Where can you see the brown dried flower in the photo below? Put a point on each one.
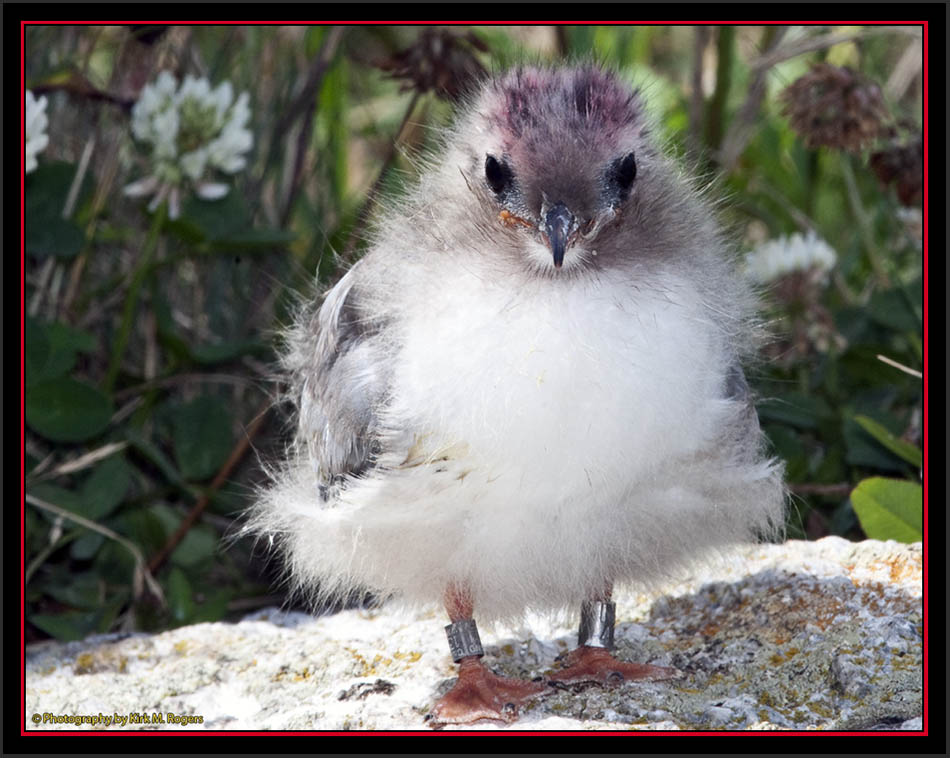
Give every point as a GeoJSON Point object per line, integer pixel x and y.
{"type": "Point", "coordinates": [439, 60]}
{"type": "Point", "coordinates": [902, 166]}
{"type": "Point", "coordinates": [835, 107]}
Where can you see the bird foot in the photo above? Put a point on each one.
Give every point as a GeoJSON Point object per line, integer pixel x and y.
{"type": "Point", "coordinates": [480, 694]}
{"type": "Point", "coordinates": [595, 664]}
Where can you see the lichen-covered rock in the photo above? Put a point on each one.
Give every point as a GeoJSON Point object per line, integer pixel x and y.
{"type": "Point", "coordinates": [806, 635]}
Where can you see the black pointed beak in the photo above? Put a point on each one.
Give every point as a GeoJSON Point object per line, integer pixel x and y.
{"type": "Point", "coordinates": [558, 225]}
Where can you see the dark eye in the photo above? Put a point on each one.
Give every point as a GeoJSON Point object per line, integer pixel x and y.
{"type": "Point", "coordinates": [497, 174]}
{"type": "Point", "coordinates": [622, 173]}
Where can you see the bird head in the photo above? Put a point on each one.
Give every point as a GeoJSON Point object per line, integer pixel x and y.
{"type": "Point", "coordinates": [562, 168]}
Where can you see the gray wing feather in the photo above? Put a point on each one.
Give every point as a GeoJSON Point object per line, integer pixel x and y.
{"type": "Point", "coordinates": [737, 388]}
{"type": "Point", "coordinates": [747, 431]}
{"type": "Point", "coordinates": [338, 375]}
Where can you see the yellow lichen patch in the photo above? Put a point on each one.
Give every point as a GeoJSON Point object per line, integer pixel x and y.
{"type": "Point", "coordinates": [781, 657]}
{"type": "Point", "coordinates": [898, 568]}
{"type": "Point", "coordinates": [181, 647]}
{"type": "Point", "coordinates": [368, 668]}
{"type": "Point", "coordinates": [412, 657]}
{"type": "Point", "coordinates": [104, 660]}
{"type": "Point", "coordinates": [815, 607]}
{"type": "Point", "coordinates": [821, 709]}
{"type": "Point", "coordinates": [85, 664]}
{"type": "Point", "coordinates": [508, 649]}
{"type": "Point", "coordinates": [904, 568]}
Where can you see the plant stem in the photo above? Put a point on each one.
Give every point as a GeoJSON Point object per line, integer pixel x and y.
{"type": "Point", "coordinates": [863, 222]}
{"type": "Point", "coordinates": [356, 233]}
{"type": "Point", "coordinates": [716, 115]}
{"type": "Point", "coordinates": [132, 298]}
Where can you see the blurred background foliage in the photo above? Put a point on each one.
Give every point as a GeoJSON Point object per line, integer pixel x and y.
{"type": "Point", "coordinates": [150, 341]}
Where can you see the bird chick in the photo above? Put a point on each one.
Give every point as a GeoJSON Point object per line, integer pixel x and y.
{"type": "Point", "coordinates": [529, 389]}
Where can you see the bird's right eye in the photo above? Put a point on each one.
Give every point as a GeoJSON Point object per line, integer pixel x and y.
{"type": "Point", "coordinates": [498, 175]}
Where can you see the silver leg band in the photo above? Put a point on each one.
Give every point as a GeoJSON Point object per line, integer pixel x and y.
{"type": "Point", "coordinates": [597, 624]}
{"type": "Point", "coordinates": [464, 640]}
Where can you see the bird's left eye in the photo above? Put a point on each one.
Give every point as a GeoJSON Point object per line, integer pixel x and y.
{"type": "Point", "coordinates": [621, 174]}
{"type": "Point", "coordinates": [497, 174]}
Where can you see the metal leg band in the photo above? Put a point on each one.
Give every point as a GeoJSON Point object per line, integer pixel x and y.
{"type": "Point", "coordinates": [597, 624]}
{"type": "Point", "coordinates": [464, 640]}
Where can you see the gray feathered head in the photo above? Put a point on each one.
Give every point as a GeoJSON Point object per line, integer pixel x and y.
{"type": "Point", "coordinates": [567, 176]}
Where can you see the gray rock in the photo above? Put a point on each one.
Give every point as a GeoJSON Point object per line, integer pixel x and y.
{"type": "Point", "coordinates": [821, 635]}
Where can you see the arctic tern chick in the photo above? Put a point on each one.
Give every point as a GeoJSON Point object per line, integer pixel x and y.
{"type": "Point", "coordinates": [529, 389]}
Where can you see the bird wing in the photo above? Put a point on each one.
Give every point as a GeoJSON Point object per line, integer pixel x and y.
{"type": "Point", "coordinates": [339, 365]}
{"type": "Point", "coordinates": [737, 388]}
{"type": "Point", "coordinates": [747, 432]}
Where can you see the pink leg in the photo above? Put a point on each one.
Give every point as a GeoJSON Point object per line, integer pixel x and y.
{"type": "Point", "coordinates": [478, 693]}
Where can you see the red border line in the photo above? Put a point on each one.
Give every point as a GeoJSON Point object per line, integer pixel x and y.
{"type": "Point", "coordinates": [210, 733]}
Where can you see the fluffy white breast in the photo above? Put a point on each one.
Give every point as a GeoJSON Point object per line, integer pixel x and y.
{"type": "Point", "coordinates": [567, 384]}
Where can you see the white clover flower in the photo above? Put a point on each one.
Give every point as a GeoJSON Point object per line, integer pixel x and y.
{"type": "Point", "coordinates": [785, 255]}
{"type": "Point", "coordinates": [191, 130]}
{"type": "Point", "coordinates": [36, 122]}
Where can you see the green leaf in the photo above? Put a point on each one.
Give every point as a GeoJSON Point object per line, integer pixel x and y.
{"type": "Point", "coordinates": [204, 220]}
{"type": "Point", "coordinates": [105, 488]}
{"type": "Point", "coordinates": [36, 351]}
{"type": "Point", "coordinates": [794, 408]}
{"type": "Point", "coordinates": [201, 436]}
{"type": "Point", "coordinates": [168, 516]}
{"type": "Point", "coordinates": [167, 333]}
{"type": "Point", "coordinates": [890, 509]}
{"type": "Point", "coordinates": [224, 225]}
{"type": "Point", "coordinates": [46, 232]}
{"type": "Point", "coordinates": [68, 338]}
{"type": "Point", "coordinates": [895, 309]}
{"type": "Point", "coordinates": [83, 591]}
{"type": "Point", "coordinates": [226, 351]}
{"type": "Point", "coordinates": [113, 562]}
{"type": "Point", "coordinates": [67, 627]}
{"type": "Point", "coordinates": [51, 350]}
{"type": "Point", "coordinates": [143, 527]}
{"type": "Point", "coordinates": [213, 607]}
{"type": "Point", "coordinates": [179, 596]}
{"type": "Point", "coordinates": [65, 410]}
{"type": "Point", "coordinates": [50, 493]}
{"type": "Point", "coordinates": [157, 458]}
{"type": "Point", "coordinates": [86, 546]}
{"type": "Point", "coordinates": [199, 544]}
{"type": "Point", "coordinates": [788, 446]}
{"type": "Point", "coordinates": [862, 450]}
{"type": "Point", "coordinates": [910, 453]}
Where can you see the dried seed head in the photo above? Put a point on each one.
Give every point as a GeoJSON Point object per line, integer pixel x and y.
{"type": "Point", "coordinates": [835, 107]}
{"type": "Point", "coordinates": [439, 60]}
{"type": "Point", "coordinates": [903, 166]}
